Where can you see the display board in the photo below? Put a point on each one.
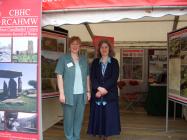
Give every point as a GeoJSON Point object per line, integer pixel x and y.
{"type": "Point", "coordinates": [20, 98]}
{"type": "Point", "coordinates": [54, 44]}
{"type": "Point", "coordinates": [132, 63]}
{"type": "Point", "coordinates": [177, 52]}
{"type": "Point", "coordinates": [157, 66]}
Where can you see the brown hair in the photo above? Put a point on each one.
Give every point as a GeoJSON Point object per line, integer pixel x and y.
{"type": "Point", "coordinates": [111, 51]}
{"type": "Point", "coordinates": [74, 38]}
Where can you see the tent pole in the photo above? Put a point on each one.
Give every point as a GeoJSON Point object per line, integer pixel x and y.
{"type": "Point", "coordinates": [175, 23]}
{"type": "Point", "coordinates": [89, 30]}
{"type": "Point", "coordinates": [174, 112]}
{"type": "Point", "coordinates": [167, 90]}
{"type": "Point", "coordinates": [167, 110]}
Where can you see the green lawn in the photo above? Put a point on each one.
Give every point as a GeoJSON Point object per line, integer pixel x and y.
{"type": "Point", "coordinates": [28, 106]}
{"type": "Point", "coordinates": [25, 58]}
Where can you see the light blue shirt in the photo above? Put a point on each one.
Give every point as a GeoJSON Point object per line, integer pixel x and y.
{"type": "Point", "coordinates": [104, 66]}
{"type": "Point", "coordinates": [103, 69]}
{"type": "Point", "coordinates": [78, 88]}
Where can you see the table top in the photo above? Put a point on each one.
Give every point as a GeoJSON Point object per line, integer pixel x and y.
{"type": "Point", "coordinates": [158, 85]}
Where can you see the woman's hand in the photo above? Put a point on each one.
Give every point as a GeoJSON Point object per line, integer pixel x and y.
{"type": "Point", "coordinates": [62, 98]}
{"type": "Point", "coordinates": [98, 94]}
{"type": "Point", "coordinates": [88, 95]}
{"type": "Point", "coordinates": [61, 88]}
{"type": "Point", "coordinates": [102, 90]}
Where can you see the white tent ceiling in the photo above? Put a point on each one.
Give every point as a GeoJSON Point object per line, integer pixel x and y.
{"type": "Point", "coordinates": [139, 31]}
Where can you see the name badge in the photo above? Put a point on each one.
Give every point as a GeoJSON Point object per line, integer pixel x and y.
{"type": "Point", "coordinates": [69, 64]}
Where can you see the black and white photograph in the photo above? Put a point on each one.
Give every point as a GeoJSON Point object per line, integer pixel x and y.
{"type": "Point", "coordinates": [5, 49]}
{"type": "Point", "coordinates": [2, 120]}
{"type": "Point", "coordinates": [21, 122]}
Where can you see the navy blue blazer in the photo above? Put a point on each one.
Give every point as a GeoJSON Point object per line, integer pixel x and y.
{"type": "Point", "coordinates": [108, 81]}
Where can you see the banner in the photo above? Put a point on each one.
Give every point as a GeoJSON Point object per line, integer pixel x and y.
{"type": "Point", "coordinates": [177, 47]}
{"type": "Point", "coordinates": [79, 4]}
{"type": "Point", "coordinates": [20, 98]}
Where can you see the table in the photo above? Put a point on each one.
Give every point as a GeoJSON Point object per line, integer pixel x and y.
{"type": "Point", "coordinates": [156, 101]}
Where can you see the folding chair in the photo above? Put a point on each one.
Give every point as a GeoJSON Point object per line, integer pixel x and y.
{"type": "Point", "coordinates": [131, 100]}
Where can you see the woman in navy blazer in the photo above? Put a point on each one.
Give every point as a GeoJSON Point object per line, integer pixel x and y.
{"type": "Point", "coordinates": [104, 117]}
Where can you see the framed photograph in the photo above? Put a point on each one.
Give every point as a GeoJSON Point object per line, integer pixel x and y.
{"type": "Point", "coordinates": [53, 41]}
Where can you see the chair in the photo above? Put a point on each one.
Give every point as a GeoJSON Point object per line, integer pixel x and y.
{"type": "Point", "coordinates": [130, 98]}
{"type": "Point", "coordinates": [121, 84]}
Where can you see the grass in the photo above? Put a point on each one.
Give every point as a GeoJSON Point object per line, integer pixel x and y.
{"type": "Point", "coordinates": [29, 105]}
{"type": "Point", "coordinates": [25, 58]}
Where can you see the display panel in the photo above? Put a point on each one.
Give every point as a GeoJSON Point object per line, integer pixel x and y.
{"type": "Point", "coordinates": [132, 63]}
{"type": "Point", "coordinates": [177, 44]}
{"type": "Point", "coordinates": [157, 66]}
{"type": "Point", "coordinates": [53, 46]}
{"type": "Point", "coordinates": [20, 96]}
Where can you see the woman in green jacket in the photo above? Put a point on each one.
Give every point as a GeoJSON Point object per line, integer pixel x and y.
{"type": "Point", "coordinates": [74, 87]}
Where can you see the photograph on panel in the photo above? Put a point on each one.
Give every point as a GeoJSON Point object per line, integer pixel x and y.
{"type": "Point", "coordinates": [53, 46]}
{"type": "Point", "coordinates": [184, 57]}
{"type": "Point", "coordinates": [184, 43]}
{"type": "Point", "coordinates": [48, 63]}
{"type": "Point", "coordinates": [2, 120]}
{"type": "Point", "coordinates": [25, 49]}
{"type": "Point", "coordinates": [21, 122]}
{"type": "Point", "coordinates": [18, 87]}
{"type": "Point", "coordinates": [184, 80]}
{"type": "Point", "coordinates": [5, 49]}
{"type": "Point", "coordinates": [174, 48]}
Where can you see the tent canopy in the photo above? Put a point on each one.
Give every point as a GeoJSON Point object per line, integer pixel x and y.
{"type": "Point", "coordinates": [82, 4]}
{"type": "Point", "coordinates": [135, 27]}
{"type": "Point", "coordinates": [150, 21]}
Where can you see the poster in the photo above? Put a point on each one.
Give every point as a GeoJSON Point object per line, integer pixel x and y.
{"type": "Point", "coordinates": [132, 63]}
{"type": "Point", "coordinates": [157, 66]}
{"type": "Point", "coordinates": [177, 52]}
{"type": "Point", "coordinates": [20, 96]}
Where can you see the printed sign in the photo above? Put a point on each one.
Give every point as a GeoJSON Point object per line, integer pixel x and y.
{"type": "Point", "coordinates": [20, 96]}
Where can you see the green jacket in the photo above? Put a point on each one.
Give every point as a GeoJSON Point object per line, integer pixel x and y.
{"type": "Point", "coordinates": [66, 68]}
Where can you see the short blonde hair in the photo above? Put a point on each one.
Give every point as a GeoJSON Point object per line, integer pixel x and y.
{"type": "Point", "coordinates": [74, 38]}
